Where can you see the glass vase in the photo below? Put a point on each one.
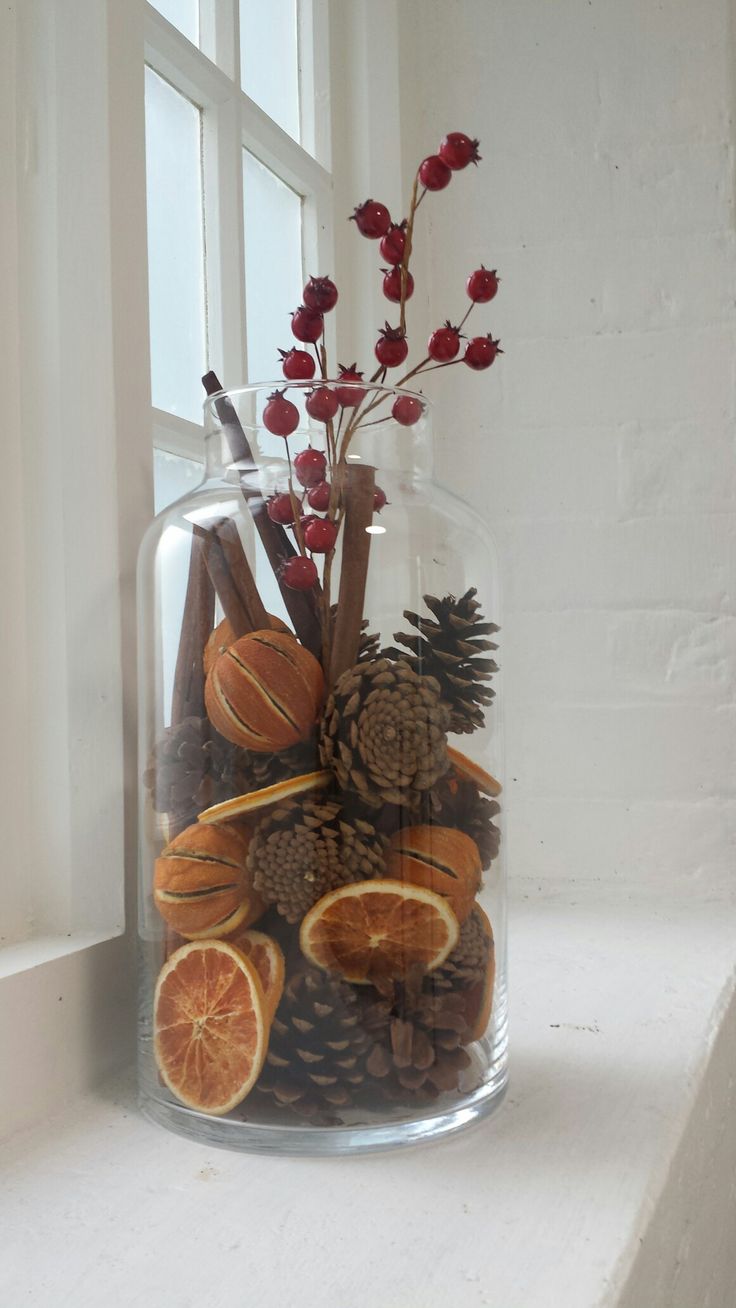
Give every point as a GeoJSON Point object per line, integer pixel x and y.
{"type": "Point", "coordinates": [322, 894]}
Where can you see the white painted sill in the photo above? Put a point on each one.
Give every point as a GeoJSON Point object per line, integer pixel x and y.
{"type": "Point", "coordinates": [606, 1178]}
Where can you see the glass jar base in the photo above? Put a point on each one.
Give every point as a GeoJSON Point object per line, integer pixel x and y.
{"type": "Point", "coordinates": [446, 1115]}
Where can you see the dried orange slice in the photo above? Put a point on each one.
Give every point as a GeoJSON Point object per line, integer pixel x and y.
{"type": "Point", "coordinates": [268, 960]}
{"type": "Point", "coordinates": [241, 805]}
{"type": "Point", "coordinates": [378, 929]}
{"type": "Point", "coordinates": [471, 771]}
{"type": "Point", "coordinates": [210, 1026]}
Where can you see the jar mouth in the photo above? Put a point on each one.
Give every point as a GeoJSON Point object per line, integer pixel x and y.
{"type": "Point", "coordinates": [293, 389]}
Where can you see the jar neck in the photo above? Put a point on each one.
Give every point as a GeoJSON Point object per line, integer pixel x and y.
{"type": "Point", "coordinates": [238, 441]}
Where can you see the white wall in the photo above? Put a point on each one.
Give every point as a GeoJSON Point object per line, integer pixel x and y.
{"type": "Point", "coordinates": [601, 445]}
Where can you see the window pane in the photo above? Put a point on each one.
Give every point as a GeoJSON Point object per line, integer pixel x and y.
{"type": "Point", "coordinates": [173, 476]}
{"type": "Point", "coordinates": [175, 250]}
{"type": "Point", "coordinates": [184, 14]}
{"type": "Point", "coordinates": [273, 266]}
{"type": "Point", "coordinates": [269, 61]}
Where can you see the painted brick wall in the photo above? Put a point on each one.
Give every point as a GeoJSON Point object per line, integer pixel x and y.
{"type": "Point", "coordinates": [601, 446]}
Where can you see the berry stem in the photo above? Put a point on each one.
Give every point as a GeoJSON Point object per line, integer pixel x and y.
{"type": "Point", "coordinates": [404, 266]}
{"type": "Point", "coordinates": [295, 507]}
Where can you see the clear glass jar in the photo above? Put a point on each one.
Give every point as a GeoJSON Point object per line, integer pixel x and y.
{"type": "Point", "coordinates": [322, 891]}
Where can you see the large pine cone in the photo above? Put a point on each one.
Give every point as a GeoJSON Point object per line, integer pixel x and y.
{"type": "Point", "coordinates": [299, 851]}
{"type": "Point", "coordinates": [315, 1063]}
{"type": "Point", "coordinates": [448, 649]}
{"type": "Point", "coordinates": [417, 1052]}
{"type": "Point", "coordinates": [383, 732]}
{"type": "Point", "coordinates": [237, 771]}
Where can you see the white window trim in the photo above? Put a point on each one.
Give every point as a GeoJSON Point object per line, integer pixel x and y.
{"type": "Point", "coordinates": [231, 122]}
{"type": "Point", "coordinates": [67, 1004]}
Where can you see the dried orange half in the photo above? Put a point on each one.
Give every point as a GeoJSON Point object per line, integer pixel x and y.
{"type": "Point", "coordinates": [241, 805]}
{"type": "Point", "coordinates": [268, 960]}
{"type": "Point", "coordinates": [378, 929]}
{"type": "Point", "coordinates": [471, 771]}
{"type": "Point", "coordinates": [210, 1025]}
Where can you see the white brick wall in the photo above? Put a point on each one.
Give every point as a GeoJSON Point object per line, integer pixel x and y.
{"type": "Point", "coordinates": [601, 446]}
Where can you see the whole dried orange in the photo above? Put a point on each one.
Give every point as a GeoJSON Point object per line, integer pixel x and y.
{"type": "Point", "coordinates": [378, 929]}
{"type": "Point", "coordinates": [210, 1025]}
{"type": "Point", "coordinates": [268, 960]}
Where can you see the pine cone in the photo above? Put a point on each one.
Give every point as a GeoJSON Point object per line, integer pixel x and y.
{"type": "Point", "coordinates": [317, 1048]}
{"type": "Point", "coordinates": [466, 965]}
{"type": "Point", "coordinates": [301, 850]}
{"type": "Point", "coordinates": [179, 772]}
{"type": "Point", "coordinates": [455, 802]}
{"type": "Point", "coordinates": [383, 732]}
{"type": "Point", "coordinates": [237, 771]}
{"type": "Point", "coordinates": [417, 1052]}
{"type": "Point", "coordinates": [448, 649]}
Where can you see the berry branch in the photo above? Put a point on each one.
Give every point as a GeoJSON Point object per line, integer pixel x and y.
{"type": "Point", "coordinates": [344, 404]}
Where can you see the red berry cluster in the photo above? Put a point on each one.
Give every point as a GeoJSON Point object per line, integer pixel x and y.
{"type": "Point", "coordinates": [312, 510]}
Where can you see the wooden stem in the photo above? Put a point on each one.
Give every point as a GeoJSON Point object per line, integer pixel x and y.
{"type": "Point", "coordinates": [356, 543]}
{"type": "Point", "coordinates": [302, 606]}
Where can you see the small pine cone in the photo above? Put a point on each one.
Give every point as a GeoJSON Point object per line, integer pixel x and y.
{"type": "Point", "coordinates": [315, 1063]}
{"type": "Point", "coordinates": [179, 772]}
{"type": "Point", "coordinates": [455, 802]}
{"type": "Point", "coordinates": [448, 649]}
{"type": "Point", "coordinates": [383, 732]}
{"type": "Point", "coordinates": [237, 771]}
{"type": "Point", "coordinates": [466, 965]}
{"type": "Point", "coordinates": [417, 1052]}
{"type": "Point", "coordinates": [299, 851]}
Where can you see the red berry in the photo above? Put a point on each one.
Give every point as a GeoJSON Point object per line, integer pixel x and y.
{"type": "Point", "coordinates": [280, 509]}
{"type": "Point", "coordinates": [392, 284]}
{"type": "Point", "coordinates": [392, 245]}
{"type": "Point", "coordinates": [297, 364]}
{"type": "Point", "coordinates": [482, 285]}
{"type": "Point", "coordinates": [458, 150]}
{"type": "Point", "coordinates": [434, 173]}
{"type": "Point", "coordinates": [350, 396]}
{"type": "Point", "coordinates": [280, 416]}
{"type": "Point", "coordinates": [319, 497]}
{"type": "Point", "coordinates": [307, 324]}
{"type": "Point", "coordinates": [320, 294]}
{"type": "Point", "coordinates": [310, 467]}
{"type": "Point", "coordinates": [372, 219]}
{"type": "Point", "coordinates": [481, 351]}
{"type": "Point", "coordinates": [322, 404]}
{"type": "Point", "coordinates": [391, 347]}
{"type": "Point", "coordinates": [444, 343]}
{"type": "Point", "coordinates": [320, 535]}
{"type": "Point", "coordinates": [407, 410]}
{"type": "Point", "coordinates": [379, 499]}
{"type": "Point", "coordinates": [299, 573]}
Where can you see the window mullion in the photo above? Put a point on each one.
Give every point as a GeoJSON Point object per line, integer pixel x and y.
{"type": "Point", "coordinates": [223, 191]}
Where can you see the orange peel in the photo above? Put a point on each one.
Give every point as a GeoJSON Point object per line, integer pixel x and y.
{"type": "Point", "coordinates": [470, 771]}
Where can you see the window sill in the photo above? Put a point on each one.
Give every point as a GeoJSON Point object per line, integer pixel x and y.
{"type": "Point", "coordinates": [34, 952]}
{"type": "Point", "coordinates": [600, 1182]}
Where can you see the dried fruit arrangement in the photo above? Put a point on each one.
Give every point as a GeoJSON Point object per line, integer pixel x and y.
{"type": "Point", "coordinates": [306, 782]}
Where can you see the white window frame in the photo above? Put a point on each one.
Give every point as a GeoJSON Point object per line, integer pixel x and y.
{"type": "Point", "coordinates": [231, 122]}
{"type": "Point", "coordinates": [78, 483]}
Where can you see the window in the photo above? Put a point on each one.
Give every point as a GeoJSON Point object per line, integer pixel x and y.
{"type": "Point", "coordinates": [238, 200]}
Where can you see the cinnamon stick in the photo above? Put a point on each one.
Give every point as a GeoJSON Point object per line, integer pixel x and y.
{"type": "Point", "coordinates": [198, 618]}
{"type": "Point", "coordinates": [359, 488]}
{"type": "Point", "coordinates": [302, 606]}
{"type": "Point", "coordinates": [240, 570]}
